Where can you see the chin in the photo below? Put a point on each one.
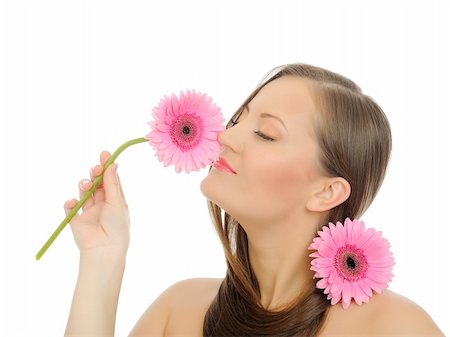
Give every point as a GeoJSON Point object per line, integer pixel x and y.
{"type": "Point", "coordinates": [222, 194]}
{"type": "Point", "coordinates": [209, 189]}
{"type": "Point", "coordinates": [212, 192]}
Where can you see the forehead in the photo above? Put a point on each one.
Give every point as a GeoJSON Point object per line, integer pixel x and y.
{"type": "Point", "coordinates": [288, 91]}
{"type": "Point", "coordinates": [291, 98]}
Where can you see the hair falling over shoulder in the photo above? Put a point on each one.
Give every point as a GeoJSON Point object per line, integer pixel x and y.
{"type": "Point", "coordinates": [354, 137]}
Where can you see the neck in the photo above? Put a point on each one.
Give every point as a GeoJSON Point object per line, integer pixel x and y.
{"type": "Point", "coordinates": [279, 257]}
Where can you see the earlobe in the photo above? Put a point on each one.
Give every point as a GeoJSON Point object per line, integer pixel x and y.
{"type": "Point", "coordinates": [334, 192]}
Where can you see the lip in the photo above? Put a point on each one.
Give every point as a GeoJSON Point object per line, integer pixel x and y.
{"type": "Point", "coordinates": [221, 164]}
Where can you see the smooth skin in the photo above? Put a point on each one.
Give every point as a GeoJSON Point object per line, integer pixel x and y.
{"type": "Point", "coordinates": [277, 239]}
{"type": "Point", "coordinates": [101, 233]}
{"type": "Point", "coordinates": [180, 310]}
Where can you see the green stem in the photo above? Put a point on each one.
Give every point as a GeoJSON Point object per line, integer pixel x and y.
{"type": "Point", "coordinates": [86, 196]}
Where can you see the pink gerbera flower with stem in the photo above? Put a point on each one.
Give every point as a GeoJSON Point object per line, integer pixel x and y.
{"type": "Point", "coordinates": [351, 262]}
{"type": "Point", "coordinates": [184, 133]}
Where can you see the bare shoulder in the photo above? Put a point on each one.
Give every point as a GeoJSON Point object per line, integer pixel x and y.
{"type": "Point", "coordinates": [400, 315]}
{"type": "Point", "coordinates": [179, 309]}
{"type": "Point", "coordinates": [193, 285]}
{"type": "Point", "coordinates": [386, 314]}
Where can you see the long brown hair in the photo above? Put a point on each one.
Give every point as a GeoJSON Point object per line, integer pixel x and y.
{"type": "Point", "coordinates": [354, 137]}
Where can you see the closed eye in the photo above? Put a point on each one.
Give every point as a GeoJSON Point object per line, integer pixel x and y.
{"type": "Point", "coordinates": [235, 121]}
{"type": "Point", "coordinates": [263, 136]}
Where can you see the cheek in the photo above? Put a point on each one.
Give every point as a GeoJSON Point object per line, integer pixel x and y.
{"type": "Point", "coordinates": [284, 178]}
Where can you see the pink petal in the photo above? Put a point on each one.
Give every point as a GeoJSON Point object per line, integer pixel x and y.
{"type": "Point", "coordinates": [334, 277]}
{"type": "Point", "coordinates": [326, 249]}
{"type": "Point", "coordinates": [322, 284]}
{"type": "Point", "coordinates": [358, 230]}
{"type": "Point", "coordinates": [323, 272]}
{"type": "Point", "coordinates": [337, 286]}
{"type": "Point", "coordinates": [345, 304]}
{"type": "Point", "coordinates": [325, 234]}
{"type": "Point", "coordinates": [315, 254]}
{"type": "Point", "coordinates": [325, 261]}
{"type": "Point", "coordinates": [365, 287]}
{"type": "Point", "coordinates": [377, 277]}
{"type": "Point", "coordinates": [357, 293]}
{"type": "Point", "coordinates": [374, 285]}
{"type": "Point", "coordinates": [348, 230]}
{"type": "Point", "coordinates": [346, 292]}
{"type": "Point", "coordinates": [336, 298]}
{"type": "Point", "coordinates": [336, 235]}
{"type": "Point", "coordinates": [342, 234]}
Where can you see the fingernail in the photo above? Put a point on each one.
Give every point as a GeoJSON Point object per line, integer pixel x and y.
{"type": "Point", "coordinates": [84, 182]}
{"type": "Point", "coordinates": [114, 168]}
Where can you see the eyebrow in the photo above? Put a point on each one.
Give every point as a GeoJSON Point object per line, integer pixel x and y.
{"type": "Point", "coordinates": [265, 114]}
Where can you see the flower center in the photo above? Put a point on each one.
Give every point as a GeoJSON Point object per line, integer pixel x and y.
{"type": "Point", "coordinates": [186, 131]}
{"type": "Point", "coordinates": [350, 263]}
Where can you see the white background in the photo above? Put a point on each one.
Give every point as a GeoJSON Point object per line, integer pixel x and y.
{"type": "Point", "coordinates": [79, 77]}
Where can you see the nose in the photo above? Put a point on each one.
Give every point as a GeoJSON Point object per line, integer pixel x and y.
{"type": "Point", "coordinates": [228, 140]}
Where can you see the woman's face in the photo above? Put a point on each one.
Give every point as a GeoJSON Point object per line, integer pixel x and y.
{"type": "Point", "coordinates": [274, 153]}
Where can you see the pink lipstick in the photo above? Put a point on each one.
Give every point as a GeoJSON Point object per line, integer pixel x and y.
{"type": "Point", "coordinates": [221, 164]}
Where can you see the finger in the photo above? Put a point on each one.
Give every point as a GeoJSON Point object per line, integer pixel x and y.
{"type": "Point", "coordinates": [113, 190]}
{"type": "Point", "coordinates": [99, 193]}
{"type": "Point", "coordinates": [69, 205]}
{"type": "Point", "coordinates": [96, 171]}
{"type": "Point", "coordinates": [121, 190]}
{"type": "Point", "coordinates": [104, 156]}
{"type": "Point", "coordinates": [83, 186]}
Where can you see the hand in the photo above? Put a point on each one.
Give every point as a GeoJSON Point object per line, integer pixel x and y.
{"type": "Point", "coordinates": [103, 225]}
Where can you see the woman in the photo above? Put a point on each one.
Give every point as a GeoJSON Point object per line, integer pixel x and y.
{"type": "Point", "coordinates": [306, 148]}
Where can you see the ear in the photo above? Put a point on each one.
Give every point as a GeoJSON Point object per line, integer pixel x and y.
{"type": "Point", "coordinates": [333, 192]}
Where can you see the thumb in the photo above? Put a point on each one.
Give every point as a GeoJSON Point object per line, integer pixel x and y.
{"type": "Point", "coordinates": [112, 187]}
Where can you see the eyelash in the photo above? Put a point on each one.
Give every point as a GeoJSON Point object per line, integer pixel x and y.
{"type": "Point", "coordinates": [257, 132]}
{"type": "Point", "coordinates": [263, 136]}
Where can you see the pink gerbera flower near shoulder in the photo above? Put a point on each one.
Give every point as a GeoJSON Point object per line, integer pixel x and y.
{"type": "Point", "coordinates": [185, 129]}
{"type": "Point", "coordinates": [351, 262]}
